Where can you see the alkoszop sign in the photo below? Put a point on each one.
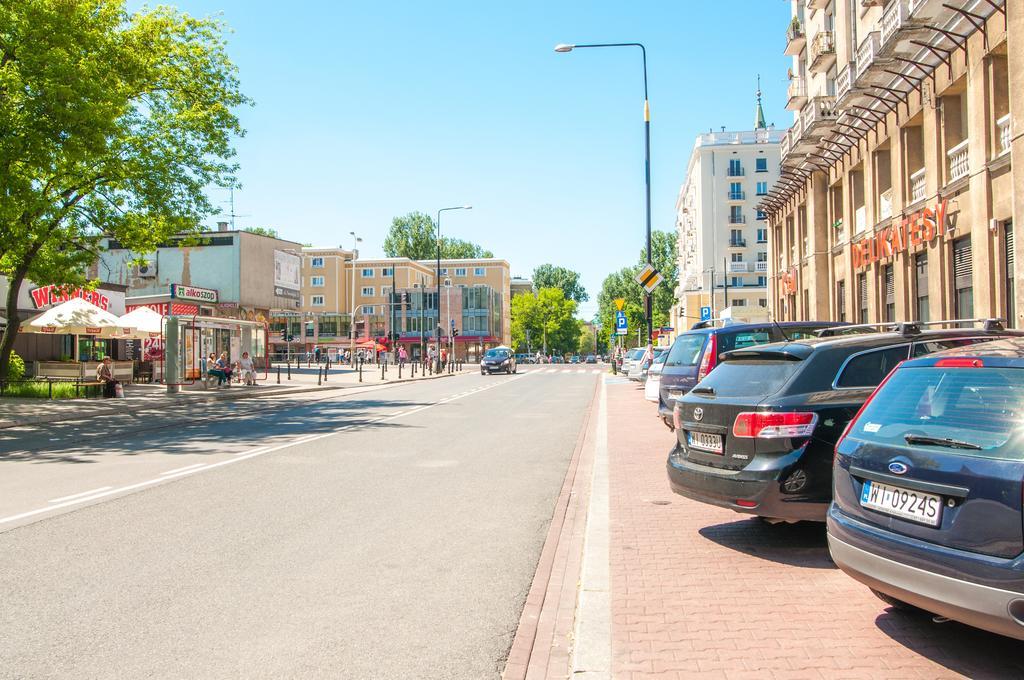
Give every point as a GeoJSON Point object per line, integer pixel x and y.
{"type": "Point", "coordinates": [182, 292]}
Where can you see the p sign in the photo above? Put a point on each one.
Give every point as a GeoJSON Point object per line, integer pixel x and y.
{"type": "Point", "coordinates": [705, 313]}
{"type": "Point", "coordinates": [621, 325]}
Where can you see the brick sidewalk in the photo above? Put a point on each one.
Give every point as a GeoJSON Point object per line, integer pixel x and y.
{"type": "Point", "coordinates": [700, 591]}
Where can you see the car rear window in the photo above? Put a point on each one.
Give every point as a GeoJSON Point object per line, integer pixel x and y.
{"type": "Point", "coordinates": [748, 378]}
{"type": "Point", "coordinates": [686, 350]}
{"type": "Point", "coordinates": [867, 369]}
{"type": "Point", "coordinates": [731, 341]}
{"type": "Point", "coordinates": [981, 406]}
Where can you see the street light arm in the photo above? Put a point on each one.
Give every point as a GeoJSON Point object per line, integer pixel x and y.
{"type": "Point", "coordinates": [643, 52]}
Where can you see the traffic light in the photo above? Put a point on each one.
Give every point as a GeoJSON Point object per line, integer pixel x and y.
{"type": "Point", "coordinates": [284, 335]}
{"type": "Point", "coordinates": [455, 332]}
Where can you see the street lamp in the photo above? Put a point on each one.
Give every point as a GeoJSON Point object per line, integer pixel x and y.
{"type": "Point", "coordinates": [438, 277]}
{"type": "Point", "coordinates": [352, 294]}
{"type": "Point", "coordinates": [563, 47]}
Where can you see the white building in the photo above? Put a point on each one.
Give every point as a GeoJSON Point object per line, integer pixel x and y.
{"type": "Point", "coordinates": [723, 238]}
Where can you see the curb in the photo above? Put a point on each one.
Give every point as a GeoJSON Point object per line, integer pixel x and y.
{"type": "Point", "coordinates": [541, 646]}
{"type": "Point", "coordinates": [268, 391]}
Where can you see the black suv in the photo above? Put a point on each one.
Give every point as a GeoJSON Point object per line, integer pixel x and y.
{"type": "Point", "coordinates": [757, 435]}
{"type": "Point", "coordinates": [695, 353]}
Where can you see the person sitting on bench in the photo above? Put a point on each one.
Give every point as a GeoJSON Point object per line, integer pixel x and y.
{"type": "Point", "coordinates": [213, 370]}
{"type": "Point", "coordinates": [246, 369]}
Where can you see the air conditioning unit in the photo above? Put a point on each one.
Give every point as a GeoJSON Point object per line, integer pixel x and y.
{"type": "Point", "coordinates": [146, 270]}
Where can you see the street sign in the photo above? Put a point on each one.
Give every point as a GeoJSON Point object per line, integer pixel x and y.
{"type": "Point", "coordinates": [649, 278]}
{"type": "Point", "coordinates": [453, 324]}
{"type": "Point", "coordinates": [620, 303]}
{"type": "Point", "coordinates": [621, 325]}
{"type": "Point", "coordinates": [705, 313]}
{"type": "Point", "coordinates": [667, 329]}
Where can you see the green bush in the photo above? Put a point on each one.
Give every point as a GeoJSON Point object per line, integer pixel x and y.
{"type": "Point", "coordinates": [17, 367]}
{"type": "Point", "coordinates": [40, 389]}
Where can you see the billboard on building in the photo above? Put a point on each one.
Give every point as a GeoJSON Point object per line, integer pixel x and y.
{"type": "Point", "coordinates": [287, 271]}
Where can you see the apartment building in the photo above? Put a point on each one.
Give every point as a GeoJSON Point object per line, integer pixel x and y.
{"type": "Point", "coordinates": [492, 272]}
{"type": "Point", "coordinates": [723, 236]}
{"type": "Point", "coordinates": [896, 198]}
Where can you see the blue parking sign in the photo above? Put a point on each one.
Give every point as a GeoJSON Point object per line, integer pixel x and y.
{"type": "Point", "coordinates": [621, 325]}
{"type": "Point", "coordinates": [705, 313]}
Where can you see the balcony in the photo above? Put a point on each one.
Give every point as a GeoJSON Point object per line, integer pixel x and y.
{"type": "Point", "coordinates": [737, 195]}
{"type": "Point", "coordinates": [735, 171]}
{"type": "Point", "coordinates": [823, 52]}
{"type": "Point", "coordinates": [818, 115]}
{"type": "Point", "coordinates": [868, 52]}
{"type": "Point", "coordinates": [817, 4]}
{"type": "Point", "coordinates": [739, 267]}
{"type": "Point", "coordinates": [737, 219]}
{"type": "Point", "coordinates": [917, 186]}
{"type": "Point", "coordinates": [958, 161]}
{"type": "Point", "coordinates": [860, 219]}
{"type": "Point", "coordinates": [1003, 133]}
{"type": "Point", "coordinates": [795, 39]}
{"type": "Point", "coordinates": [894, 18]}
{"type": "Point", "coordinates": [737, 242]}
{"type": "Point", "coordinates": [885, 204]}
{"type": "Point", "coordinates": [796, 95]}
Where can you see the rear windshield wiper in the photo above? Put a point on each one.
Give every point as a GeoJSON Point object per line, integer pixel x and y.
{"type": "Point", "coordinates": [703, 390]}
{"type": "Point", "coordinates": [940, 441]}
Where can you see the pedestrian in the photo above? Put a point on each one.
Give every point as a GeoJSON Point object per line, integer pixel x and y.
{"type": "Point", "coordinates": [402, 356]}
{"type": "Point", "coordinates": [246, 369]}
{"type": "Point", "coordinates": [444, 358]}
{"type": "Point", "coordinates": [105, 375]}
{"type": "Point", "coordinates": [316, 353]}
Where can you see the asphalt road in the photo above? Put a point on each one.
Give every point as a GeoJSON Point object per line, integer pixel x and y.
{"type": "Point", "coordinates": [385, 534]}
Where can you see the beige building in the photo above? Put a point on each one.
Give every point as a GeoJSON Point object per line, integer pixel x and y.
{"type": "Point", "coordinates": [723, 237]}
{"type": "Point", "coordinates": [898, 194]}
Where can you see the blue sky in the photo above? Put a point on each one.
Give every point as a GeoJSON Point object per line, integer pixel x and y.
{"type": "Point", "coordinates": [364, 111]}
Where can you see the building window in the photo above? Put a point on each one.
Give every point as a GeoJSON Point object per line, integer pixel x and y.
{"type": "Point", "coordinates": [387, 271]}
{"type": "Point", "coordinates": [762, 302]}
{"type": "Point", "coordinates": [762, 236]}
{"type": "Point", "coordinates": [736, 214]}
{"type": "Point", "coordinates": [444, 271]}
{"type": "Point", "coordinates": [762, 281]}
{"type": "Point", "coordinates": [760, 215]}
{"type": "Point", "coordinates": [890, 293]}
{"type": "Point", "coordinates": [963, 279]}
{"type": "Point", "coordinates": [316, 281]}
{"type": "Point", "coordinates": [739, 303]}
{"type": "Point", "coordinates": [761, 165]}
{"type": "Point", "coordinates": [762, 188]}
{"type": "Point", "coordinates": [921, 270]}
{"type": "Point", "coordinates": [1011, 306]}
{"type": "Point", "coordinates": [736, 238]}
{"type": "Point", "coordinates": [479, 271]}
{"type": "Point", "coordinates": [737, 257]}
{"type": "Point", "coordinates": [737, 282]}
{"type": "Point", "coordinates": [460, 271]}
{"type": "Point", "coordinates": [367, 273]}
{"type": "Point", "coordinates": [841, 301]}
{"type": "Point", "coordinates": [317, 262]}
{"type": "Point", "coordinates": [316, 301]}
{"type": "Point", "coordinates": [368, 309]}
{"type": "Point", "coordinates": [735, 168]}
{"type": "Point", "coordinates": [862, 297]}
{"type": "Point", "coordinates": [735, 191]}
{"type": "Point", "coordinates": [367, 291]}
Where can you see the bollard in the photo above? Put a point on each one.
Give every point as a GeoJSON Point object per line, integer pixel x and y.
{"type": "Point", "coordinates": [49, 387]}
{"type": "Point", "coordinates": [360, 371]}
{"type": "Point", "coordinates": [382, 371]}
{"type": "Point", "coordinates": [325, 369]}
{"type": "Point", "coordinates": [289, 370]}
{"type": "Point", "coordinates": [318, 382]}
{"type": "Point", "coordinates": [399, 371]}
{"type": "Point", "coordinates": [278, 375]}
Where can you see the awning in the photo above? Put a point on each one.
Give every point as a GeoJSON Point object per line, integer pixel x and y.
{"type": "Point", "coordinates": [144, 322]}
{"type": "Point", "coordinates": [76, 317]}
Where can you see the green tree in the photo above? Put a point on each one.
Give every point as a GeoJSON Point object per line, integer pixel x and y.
{"type": "Point", "coordinates": [415, 236]}
{"type": "Point", "coordinates": [111, 124]}
{"type": "Point", "coordinates": [552, 276]}
{"type": "Point", "coordinates": [665, 258]}
{"type": "Point", "coordinates": [550, 318]}
{"type": "Point", "coordinates": [263, 231]}
{"type": "Point", "coordinates": [586, 340]}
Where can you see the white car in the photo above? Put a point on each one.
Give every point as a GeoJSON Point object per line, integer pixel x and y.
{"type": "Point", "coordinates": [629, 358]}
{"type": "Point", "coordinates": [653, 385]}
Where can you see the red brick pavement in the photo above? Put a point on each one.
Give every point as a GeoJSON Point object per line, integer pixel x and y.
{"type": "Point", "coordinates": [700, 591]}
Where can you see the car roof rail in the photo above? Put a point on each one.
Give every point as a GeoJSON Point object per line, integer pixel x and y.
{"type": "Point", "coordinates": [833, 331]}
{"type": "Point", "coordinates": [988, 324]}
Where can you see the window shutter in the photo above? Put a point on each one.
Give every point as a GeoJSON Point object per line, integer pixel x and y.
{"type": "Point", "coordinates": [1008, 233]}
{"type": "Point", "coordinates": [862, 291]}
{"type": "Point", "coordinates": [890, 286]}
{"type": "Point", "coordinates": [962, 271]}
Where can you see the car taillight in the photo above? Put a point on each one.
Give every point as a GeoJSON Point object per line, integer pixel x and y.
{"type": "Point", "coordinates": [959, 363]}
{"type": "Point", "coordinates": [677, 416]}
{"type": "Point", "coordinates": [769, 424]}
{"type": "Point", "coordinates": [849, 425]}
{"type": "Point", "coordinates": [710, 358]}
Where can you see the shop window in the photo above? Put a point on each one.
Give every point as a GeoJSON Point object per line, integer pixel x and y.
{"type": "Point", "coordinates": [1011, 306]}
{"type": "Point", "coordinates": [921, 285]}
{"type": "Point", "coordinates": [963, 279]}
{"type": "Point", "coordinates": [841, 301]}
{"type": "Point", "coordinates": [889, 287]}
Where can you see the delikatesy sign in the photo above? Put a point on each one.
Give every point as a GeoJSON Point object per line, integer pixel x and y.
{"type": "Point", "coordinates": [181, 292]}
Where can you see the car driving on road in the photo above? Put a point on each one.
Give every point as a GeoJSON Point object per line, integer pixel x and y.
{"type": "Point", "coordinates": [498, 360]}
{"type": "Point", "coordinates": [757, 434]}
{"type": "Point", "coordinates": [928, 488]}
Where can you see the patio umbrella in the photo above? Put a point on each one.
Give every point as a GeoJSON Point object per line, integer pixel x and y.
{"type": "Point", "coordinates": [144, 323]}
{"type": "Point", "coordinates": [75, 317]}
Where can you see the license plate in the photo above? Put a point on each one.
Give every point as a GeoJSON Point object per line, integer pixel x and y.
{"type": "Point", "coordinates": [705, 441]}
{"type": "Point", "coordinates": [916, 506]}
{"type": "Point", "coordinates": [675, 394]}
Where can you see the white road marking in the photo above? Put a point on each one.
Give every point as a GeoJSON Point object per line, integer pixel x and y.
{"type": "Point", "coordinates": [596, 371]}
{"type": "Point", "coordinates": [79, 495]}
{"type": "Point", "coordinates": [240, 456]}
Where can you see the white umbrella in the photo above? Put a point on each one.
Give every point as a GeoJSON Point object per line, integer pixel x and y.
{"type": "Point", "coordinates": [75, 317]}
{"type": "Point", "coordinates": [144, 322]}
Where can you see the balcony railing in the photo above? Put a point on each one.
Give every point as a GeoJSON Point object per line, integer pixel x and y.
{"type": "Point", "coordinates": [737, 195]}
{"type": "Point", "coordinates": [737, 219]}
{"type": "Point", "coordinates": [817, 111]}
{"type": "Point", "coordinates": [917, 186]}
{"type": "Point", "coordinates": [844, 80]}
{"type": "Point", "coordinates": [867, 51]}
{"type": "Point", "coordinates": [739, 267]}
{"type": "Point", "coordinates": [796, 94]}
{"type": "Point", "coordinates": [860, 219]}
{"type": "Point", "coordinates": [958, 165]}
{"type": "Point", "coordinates": [823, 51]}
{"type": "Point", "coordinates": [761, 266]}
{"type": "Point", "coordinates": [885, 204]}
{"type": "Point", "coordinates": [737, 243]}
{"type": "Point", "coordinates": [1003, 130]}
{"type": "Point", "coordinates": [735, 171]}
{"type": "Point", "coordinates": [795, 39]}
{"type": "Point", "coordinates": [893, 19]}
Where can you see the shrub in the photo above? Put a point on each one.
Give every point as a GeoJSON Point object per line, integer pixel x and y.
{"type": "Point", "coordinates": [16, 371]}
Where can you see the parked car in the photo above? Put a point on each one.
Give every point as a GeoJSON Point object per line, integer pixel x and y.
{"type": "Point", "coordinates": [591, 359]}
{"type": "Point", "coordinates": [653, 384]}
{"type": "Point", "coordinates": [928, 487]}
{"type": "Point", "coordinates": [757, 434]}
{"type": "Point", "coordinates": [695, 353]}
{"type": "Point", "coordinates": [629, 357]}
{"type": "Point", "coordinates": [498, 360]}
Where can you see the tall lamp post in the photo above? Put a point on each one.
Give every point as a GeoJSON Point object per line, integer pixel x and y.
{"type": "Point", "coordinates": [647, 156]}
{"type": "Point", "coordinates": [438, 277]}
{"type": "Point", "coordinates": [352, 295]}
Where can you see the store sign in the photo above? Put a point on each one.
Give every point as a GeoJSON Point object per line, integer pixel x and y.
{"type": "Point", "coordinates": [179, 309]}
{"type": "Point", "coordinates": [180, 292]}
{"type": "Point", "coordinates": [44, 296]}
{"type": "Point", "coordinates": [910, 230]}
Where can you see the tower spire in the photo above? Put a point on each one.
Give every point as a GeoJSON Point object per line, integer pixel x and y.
{"type": "Point", "coordinates": [759, 123]}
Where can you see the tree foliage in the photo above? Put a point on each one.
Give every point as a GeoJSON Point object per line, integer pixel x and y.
{"type": "Point", "coordinates": [552, 276]}
{"type": "Point", "coordinates": [415, 236]}
{"type": "Point", "coordinates": [549, 317]}
{"type": "Point", "coordinates": [263, 231]}
{"type": "Point", "coordinates": [586, 343]}
{"type": "Point", "coordinates": [111, 124]}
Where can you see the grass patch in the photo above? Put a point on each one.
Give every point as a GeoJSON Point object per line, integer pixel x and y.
{"type": "Point", "coordinates": [41, 390]}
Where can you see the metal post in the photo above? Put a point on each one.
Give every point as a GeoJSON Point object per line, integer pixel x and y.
{"type": "Point", "coordinates": [382, 371]}
{"type": "Point", "coordinates": [49, 387]}
{"type": "Point", "coordinates": [318, 374]}
{"type": "Point", "coordinates": [279, 375]}
{"type": "Point", "coordinates": [289, 370]}
{"type": "Point", "coordinates": [327, 368]}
